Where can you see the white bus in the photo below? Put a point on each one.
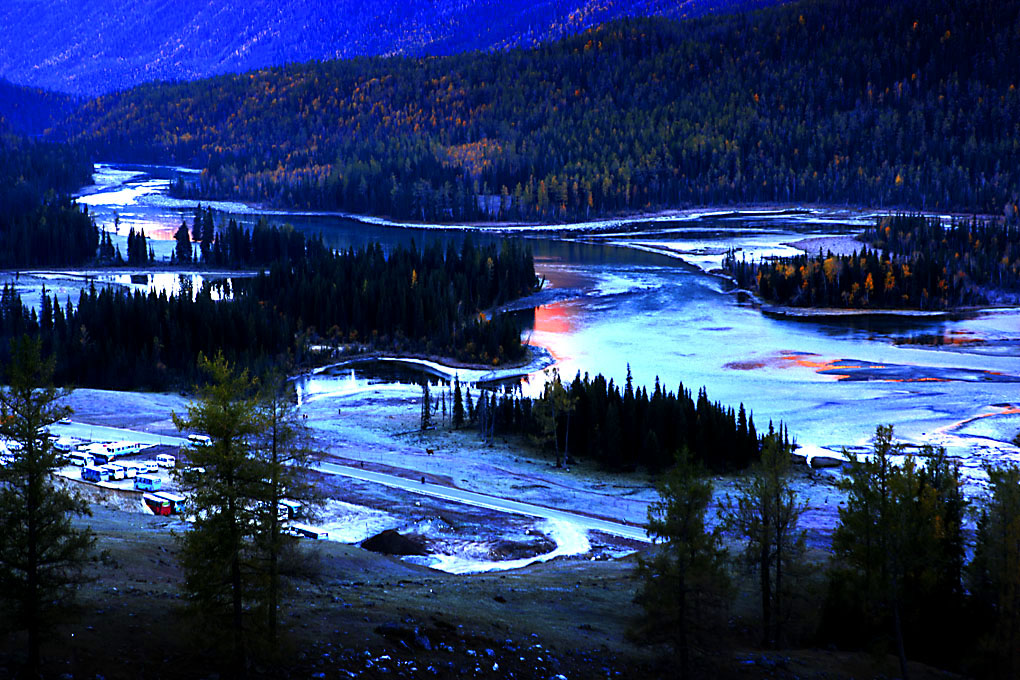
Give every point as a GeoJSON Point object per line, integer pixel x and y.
{"type": "Point", "coordinates": [199, 439]}
{"type": "Point", "coordinates": [80, 459]}
{"type": "Point", "coordinates": [148, 483]}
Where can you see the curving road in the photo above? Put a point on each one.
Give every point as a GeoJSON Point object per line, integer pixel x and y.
{"type": "Point", "coordinates": [103, 433]}
{"type": "Point", "coordinates": [485, 501]}
{"type": "Point", "coordinates": [113, 434]}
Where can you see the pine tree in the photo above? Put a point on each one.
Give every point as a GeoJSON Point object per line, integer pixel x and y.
{"type": "Point", "coordinates": [899, 543]}
{"type": "Point", "coordinates": [282, 448]}
{"type": "Point", "coordinates": [994, 573]}
{"type": "Point", "coordinates": [687, 571]}
{"type": "Point", "coordinates": [458, 404]}
{"type": "Point", "coordinates": [426, 406]}
{"type": "Point", "coordinates": [765, 513]}
{"type": "Point", "coordinates": [225, 485]}
{"type": "Point", "coordinates": [41, 554]}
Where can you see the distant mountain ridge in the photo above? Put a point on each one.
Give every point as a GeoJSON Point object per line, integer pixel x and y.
{"type": "Point", "coordinates": [91, 47]}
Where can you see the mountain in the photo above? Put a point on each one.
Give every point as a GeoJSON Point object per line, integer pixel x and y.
{"type": "Point", "coordinates": [96, 46]}
{"type": "Point", "coordinates": [912, 104]}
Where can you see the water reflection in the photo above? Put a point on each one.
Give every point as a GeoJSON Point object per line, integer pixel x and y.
{"type": "Point", "coordinates": [625, 299]}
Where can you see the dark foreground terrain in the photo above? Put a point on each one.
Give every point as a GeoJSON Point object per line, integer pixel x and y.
{"type": "Point", "coordinates": [353, 613]}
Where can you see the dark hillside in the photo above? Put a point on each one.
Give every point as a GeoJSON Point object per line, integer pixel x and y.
{"type": "Point", "coordinates": [32, 110]}
{"type": "Point", "coordinates": [909, 105]}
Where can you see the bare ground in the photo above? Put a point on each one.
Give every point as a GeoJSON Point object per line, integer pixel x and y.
{"type": "Point", "coordinates": [353, 613]}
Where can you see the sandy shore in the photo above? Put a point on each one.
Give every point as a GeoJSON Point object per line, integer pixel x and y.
{"type": "Point", "coordinates": [837, 245]}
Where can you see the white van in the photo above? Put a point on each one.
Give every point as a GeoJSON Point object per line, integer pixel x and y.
{"type": "Point", "coordinates": [130, 469]}
{"type": "Point", "coordinates": [165, 460]}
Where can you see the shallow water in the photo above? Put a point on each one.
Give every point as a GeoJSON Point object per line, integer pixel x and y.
{"type": "Point", "coordinates": [624, 303]}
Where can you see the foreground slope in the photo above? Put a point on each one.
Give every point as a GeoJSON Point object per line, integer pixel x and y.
{"type": "Point", "coordinates": [910, 105]}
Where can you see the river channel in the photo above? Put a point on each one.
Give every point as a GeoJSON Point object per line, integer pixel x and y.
{"type": "Point", "coordinates": [639, 294]}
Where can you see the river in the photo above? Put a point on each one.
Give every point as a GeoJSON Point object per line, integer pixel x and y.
{"type": "Point", "coordinates": [620, 302]}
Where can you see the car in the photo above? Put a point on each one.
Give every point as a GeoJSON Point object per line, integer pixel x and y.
{"type": "Point", "coordinates": [64, 421]}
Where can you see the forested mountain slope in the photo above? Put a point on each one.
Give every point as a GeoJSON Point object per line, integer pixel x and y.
{"type": "Point", "coordinates": [39, 226]}
{"type": "Point", "coordinates": [910, 104]}
{"type": "Point", "coordinates": [31, 110]}
{"type": "Point", "coordinates": [94, 46]}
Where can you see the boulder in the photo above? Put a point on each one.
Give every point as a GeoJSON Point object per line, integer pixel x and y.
{"type": "Point", "coordinates": [391, 542]}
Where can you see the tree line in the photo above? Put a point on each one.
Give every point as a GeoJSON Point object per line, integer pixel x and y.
{"type": "Point", "coordinates": [897, 578]}
{"type": "Point", "coordinates": [39, 225]}
{"type": "Point", "coordinates": [619, 429]}
{"type": "Point", "coordinates": [232, 245]}
{"type": "Point", "coordinates": [869, 279]}
{"type": "Point", "coordinates": [771, 106]}
{"type": "Point", "coordinates": [411, 300]}
{"type": "Point", "coordinates": [985, 252]}
{"type": "Point", "coordinates": [915, 262]}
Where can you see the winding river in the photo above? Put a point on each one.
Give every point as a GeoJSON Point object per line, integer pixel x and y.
{"type": "Point", "coordinates": [639, 294]}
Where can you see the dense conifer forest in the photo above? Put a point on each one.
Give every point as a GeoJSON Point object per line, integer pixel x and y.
{"type": "Point", "coordinates": [911, 105]}
{"type": "Point", "coordinates": [39, 226]}
{"type": "Point", "coordinates": [32, 110]}
{"type": "Point", "coordinates": [915, 262]}
{"type": "Point", "coordinates": [621, 429]}
{"type": "Point", "coordinates": [409, 300]}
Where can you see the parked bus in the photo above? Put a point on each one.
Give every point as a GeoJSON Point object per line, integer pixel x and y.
{"type": "Point", "coordinates": [148, 483]}
{"type": "Point", "coordinates": [130, 471]}
{"type": "Point", "coordinates": [199, 439]}
{"type": "Point", "coordinates": [80, 459]}
{"type": "Point", "coordinates": [159, 506]}
{"type": "Point", "coordinates": [287, 509]}
{"type": "Point", "coordinates": [309, 532]}
{"type": "Point", "coordinates": [116, 449]}
{"type": "Point", "coordinates": [176, 501]}
{"type": "Point", "coordinates": [114, 472]}
{"type": "Point", "coordinates": [166, 460]}
{"type": "Point", "coordinates": [91, 473]}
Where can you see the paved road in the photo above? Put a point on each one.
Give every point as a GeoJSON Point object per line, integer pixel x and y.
{"type": "Point", "coordinates": [102, 433]}
{"type": "Point", "coordinates": [112, 434]}
{"type": "Point", "coordinates": [485, 501]}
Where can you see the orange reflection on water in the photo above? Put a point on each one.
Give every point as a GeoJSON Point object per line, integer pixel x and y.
{"type": "Point", "coordinates": [1003, 410]}
{"type": "Point", "coordinates": [556, 320]}
{"type": "Point", "coordinates": [553, 318]}
{"type": "Point", "coordinates": [908, 380]}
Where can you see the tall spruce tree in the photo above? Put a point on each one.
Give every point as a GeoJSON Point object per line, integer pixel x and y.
{"type": "Point", "coordinates": [226, 485]}
{"type": "Point", "coordinates": [899, 545]}
{"type": "Point", "coordinates": [41, 553]}
{"type": "Point", "coordinates": [994, 574]}
{"type": "Point", "coordinates": [686, 573]}
{"type": "Point", "coordinates": [283, 449]}
{"type": "Point", "coordinates": [765, 512]}
{"type": "Point", "coordinates": [458, 404]}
